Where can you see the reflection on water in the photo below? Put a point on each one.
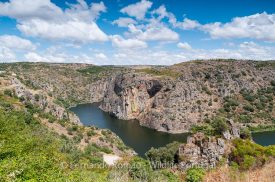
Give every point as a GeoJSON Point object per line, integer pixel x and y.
{"type": "Point", "coordinates": [264, 138]}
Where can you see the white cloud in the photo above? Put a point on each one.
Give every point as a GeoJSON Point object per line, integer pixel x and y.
{"type": "Point", "coordinates": [120, 42]}
{"type": "Point", "coordinates": [138, 9]}
{"type": "Point", "coordinates": [153, 32]}
{"type": "Point", "coordinates": [187, 24]}
{"type": "Point", "coordinates": [60, 58]}
{"type": "Point", "coordinates": [97, 8]}
{"type": "Point", "coordinates": [15, 42]}
{"type": "Point", "coordinates": [124, 22]}
{"type": "Point", "coordinates": [184, 45]}
{"type": "Point", "coordinates": [26, 9]}
{"type": "Point", "coordinates": [75, 31]}
{"type": "Point", "coordinates": [246, 50]}
{"type": "Point", "coordinates": [258, 26]}
{"type": "Point", "coordinates": [7, 55]}
{"type": "Point", "coordinates": [159, 34]}
{"type": "Point", "coordinates": [100, 56]}
{"type": "Point", "coordinates": [44, 19]}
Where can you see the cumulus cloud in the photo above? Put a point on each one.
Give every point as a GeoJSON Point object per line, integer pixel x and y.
{"type": "Point", "coordinates": [258, 26]}
{"type": "Point", "coordinates": [124, 22]}
{"type": "Point", "coordinates": [137, 10]}
{"type": "Point", "coordinates": [26, 9]}
{"type": "Point", "coordinates": [15, 42]}
{"type": "Point", "coordinates": [97, 8]}
{"type": "Point", "coordinates": [75, 31]}
{"type": "Point", "coordinates": [184, 45]}
{"type": "Point", "coordinates": [187, 24]}
{"type": "Point", "coordinates": [60, 58]}
{"type": "Point", "coordinates": [153, 32]}
{"type": "Point", "coordinates": [100, 56]}
{"type": "Point", "coordinates": [44, 19]}
{"type": "Point", "coordinates": [7, 55]}
{"type": "Point", "coordinates": [120, 42]}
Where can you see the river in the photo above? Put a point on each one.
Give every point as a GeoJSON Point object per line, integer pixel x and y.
{"type": "Point", "coordinates": [140, 138]}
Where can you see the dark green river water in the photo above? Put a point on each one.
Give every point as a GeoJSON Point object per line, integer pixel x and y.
{"type": "Point", "coordinates": [141, 139]}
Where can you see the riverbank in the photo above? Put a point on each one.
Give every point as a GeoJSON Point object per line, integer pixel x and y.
{"type": "Point", "coordinates": [262, 128]}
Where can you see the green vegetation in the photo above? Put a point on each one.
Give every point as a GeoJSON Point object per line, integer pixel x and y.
{"type": "Point", "coordinates": [194, 174]}
{"type": "Point", "coordinates": [163, 155]}
{"type": "Point", "coordinates": [140, 169]}
{"type": "Point", "coordinates": [28, 151]}
{"type": "Point", "coordinates": [250, 155]}
{"type": "Point", "coordinates": [160, 72]}
{"type": "Point", "coordinates": [8, 92]}
{"type": "Point", "coordinates": [216, 126]}
{"type": "Point", "coordinates": [94, 69]}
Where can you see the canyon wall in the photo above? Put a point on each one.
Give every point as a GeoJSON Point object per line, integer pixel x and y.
{"type": "Point", "coordinates": [175, 104]}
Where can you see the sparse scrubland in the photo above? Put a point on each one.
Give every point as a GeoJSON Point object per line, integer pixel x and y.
{"type": "Point", "coordinates": [218, 101]}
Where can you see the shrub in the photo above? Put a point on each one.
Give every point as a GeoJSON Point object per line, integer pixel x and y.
{"type": "Point", "coordinates": [245, 133]}
{"type": "Point", "coordinates": [245, 118]}
{"type": "Point", "coordinates": [36, 97]}
{"type": "Point", "coordinates": [249, 155]}
{"type": "Point", "coordinates": [91, 133]}
{"type": "Point", "coordinates": [195, 174]}
{"type": "Point", "coordinates": [163, 155]}
{"type": "Point", "coordinates": [205, 128]}
{"type": "Point", "coordinates": [8, 92]}
{"type": "Point", "coordinates": [272, 83]}
{"type": "Point", "coordinates": [248, 162]}
{"type": "Point", "coordinates": [140, 169]}
{"type": "Point", "coordinates": [249, 108]}
{"type": "Point", "coordinates": [219, 125]}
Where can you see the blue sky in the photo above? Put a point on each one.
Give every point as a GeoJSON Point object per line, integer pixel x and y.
{"type": "Point", "coordinates": [136, 32]}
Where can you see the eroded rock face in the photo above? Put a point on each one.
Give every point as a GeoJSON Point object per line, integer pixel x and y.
{"type": "Point", "coordinates": [174, 105]}
{"type": "Point", "coordinates": [202, 151]}
{"type": "Point", "coordinates": [42, 100]}
{"type": "Point", "coordinates": [207, 151]}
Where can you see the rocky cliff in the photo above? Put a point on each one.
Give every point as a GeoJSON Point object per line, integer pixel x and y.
{"type": "Point", "coordinates": [170, 99]}
{"type": "Point", "coordinates": [161, 101]}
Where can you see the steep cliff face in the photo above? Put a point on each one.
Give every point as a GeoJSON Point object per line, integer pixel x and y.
{"type": "Point", "coordinates": [43, 101]}
{"type": "Point", "coordinates": [169, 99]}
{"type": "Point", "coordinates": [174, 105]}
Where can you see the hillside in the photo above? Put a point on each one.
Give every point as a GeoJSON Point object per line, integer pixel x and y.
{"type": "Point", "coordinates": [170, 99]}
{"type": "Point", "coordinates": [215, 100]}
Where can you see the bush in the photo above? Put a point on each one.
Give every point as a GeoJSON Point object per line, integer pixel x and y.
{"type": "Point", "coordinates": [272, 83]}
{"type": "Point", "coordinates": [91, 133]}
{"type": "Point", "coordinates": [194, 175]}
{"type": "Point", "coordinates": [205, 128]}
{"type": "Point", "coordinates": [245, 118]}
{"type": "Point", "coordinates": [249, 155]}
{"type": "Point", "coordinates": [249, 108]}
{"type": "Point", "coordinates": [219, 125]}
{"type": "Point", "coordinates": [140, 169]}
{"type": "Point", "coordinates": [245, 133]}
{"type": "Point", "coordinates": [163, 155]}
{"type": "Point", "coordinates": [36, 97]}
{"type": "Point", "coordinates": [8, 92]}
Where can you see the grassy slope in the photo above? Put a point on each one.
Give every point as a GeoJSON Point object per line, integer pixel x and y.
{"type": "Point", "coordinates": [29, 151]}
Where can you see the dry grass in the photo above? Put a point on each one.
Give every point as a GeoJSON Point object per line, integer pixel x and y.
{"type": "Point", "coordinates": [227, 174]}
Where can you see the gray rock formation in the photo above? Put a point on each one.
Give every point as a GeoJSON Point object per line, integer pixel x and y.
{"type": "Point", "coordinates": [174, 105]}
{"type": "Point", "coordinates": [202, 151]}
{"type": "Point", "coordinates": [42, 100]}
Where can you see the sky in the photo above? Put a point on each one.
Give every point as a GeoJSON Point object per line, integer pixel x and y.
{"type": "Point", "coordinates": [131, 32]}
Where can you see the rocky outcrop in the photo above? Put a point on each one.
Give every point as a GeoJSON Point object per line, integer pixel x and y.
{"type": "Point", "coordinates": [202, 151]}
{"type": "Point", "coordinates": [207, 151]}
{"type": "Point", "coordinates": [158, 98]}
{"type": "Point", "coordinates": [174, 105]}
{"type": "Point", "coordinates": [42, 100]}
